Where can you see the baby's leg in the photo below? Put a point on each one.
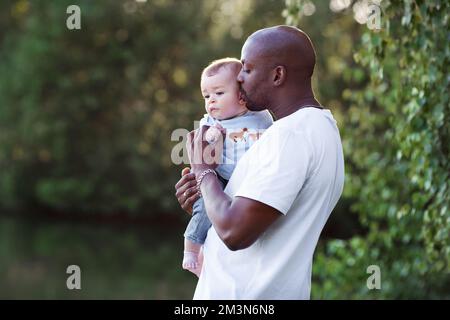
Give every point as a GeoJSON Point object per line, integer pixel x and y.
{"type": "Point", "coordinates": [195, 236]}
{"type": "Point", "coordinates": [191, 259]}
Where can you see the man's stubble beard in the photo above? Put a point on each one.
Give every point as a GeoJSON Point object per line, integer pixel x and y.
{"type": "Point", "coordinates": [250, 104]}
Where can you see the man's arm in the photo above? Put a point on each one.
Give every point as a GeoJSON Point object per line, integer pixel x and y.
{"type": "Point", "coordinates": [239, 221]}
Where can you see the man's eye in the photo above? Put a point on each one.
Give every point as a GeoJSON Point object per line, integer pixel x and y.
{"type": "Point", "coordinates": [246, 71]}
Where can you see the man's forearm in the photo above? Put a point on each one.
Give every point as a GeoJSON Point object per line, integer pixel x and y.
{"type": "Point", "coordinates": [238, 221]}
{"type": "Point", "coordinates": [218, 205]}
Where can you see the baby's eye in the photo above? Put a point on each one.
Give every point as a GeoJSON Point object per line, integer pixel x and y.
{"type": "Point", "coordinates": [206, 96]}
{"type": "Point", "coordinates": [219, 93]}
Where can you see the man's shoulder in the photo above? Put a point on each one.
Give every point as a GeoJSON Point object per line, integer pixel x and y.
{"type": "Point", "coordinates": [302, 128]}
{"type": "Point", "coordinates": [305, 120]}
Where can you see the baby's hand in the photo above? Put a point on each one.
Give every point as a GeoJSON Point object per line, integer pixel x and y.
{"type": "Point", "coordinates": [214, 133]}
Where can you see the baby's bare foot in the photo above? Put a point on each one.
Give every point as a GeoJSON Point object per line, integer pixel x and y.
{"type": "Point", "coordinates": [191, 263]}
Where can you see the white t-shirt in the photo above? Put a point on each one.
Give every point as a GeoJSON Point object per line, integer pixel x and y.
{"type": "Point", "coordinates": [297, 167]}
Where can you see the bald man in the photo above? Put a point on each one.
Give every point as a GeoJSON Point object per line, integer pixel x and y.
{"type": "Point", "coordinates": [267, 221]}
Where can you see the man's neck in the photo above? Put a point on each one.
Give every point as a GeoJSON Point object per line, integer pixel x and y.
{"type": "Point", "coordinates": [286, 108]}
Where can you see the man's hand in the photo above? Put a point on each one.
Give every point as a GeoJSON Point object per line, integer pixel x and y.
{"type": "Point", "coordinates": [203, 155]}
{"type": "Point", "coordinates": [186, 190]}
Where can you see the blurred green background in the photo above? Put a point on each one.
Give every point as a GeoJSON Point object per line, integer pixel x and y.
{"type": "Point", "coordinates": [86, 118]}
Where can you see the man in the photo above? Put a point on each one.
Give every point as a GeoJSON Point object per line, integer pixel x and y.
{"type": "Point", "coordinates": [267, 221]}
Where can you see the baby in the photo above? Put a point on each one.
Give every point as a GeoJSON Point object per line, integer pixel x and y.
{"type": "Point", "coordinates": [226, 114]}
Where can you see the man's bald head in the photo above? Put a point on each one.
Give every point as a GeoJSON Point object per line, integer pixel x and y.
{"type": "Point", "coordinates": [277, 65]}
{"type": "Point", "coordinates": [286, 46]}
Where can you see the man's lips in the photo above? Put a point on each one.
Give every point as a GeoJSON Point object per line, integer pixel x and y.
{"type": "Point", "coordinates": [243, 94]}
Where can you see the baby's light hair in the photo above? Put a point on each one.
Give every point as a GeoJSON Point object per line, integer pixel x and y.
{"type": "Point", "coordinates": [214, 67]}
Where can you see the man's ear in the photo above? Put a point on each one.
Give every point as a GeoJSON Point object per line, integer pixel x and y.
{"type": "Point", "coordinates": [278, 75]}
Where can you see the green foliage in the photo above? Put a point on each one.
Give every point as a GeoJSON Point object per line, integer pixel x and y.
{"type": "Point", "coordinates": [86, 115]}
{"type": "Point", "coordinates": [396, 137]}
{"type": "Point", "coordinates": [86, 118]}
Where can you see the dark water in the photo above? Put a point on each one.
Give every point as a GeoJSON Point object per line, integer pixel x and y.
{"type": "Point", "coordinates": [116, 262]}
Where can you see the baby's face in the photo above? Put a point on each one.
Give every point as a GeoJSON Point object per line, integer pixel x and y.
{"type": "Point", "coordinates": [221, 94]}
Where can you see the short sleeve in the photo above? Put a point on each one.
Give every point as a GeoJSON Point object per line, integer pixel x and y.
{"type": "Point", "coordinates": [277, 169]}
